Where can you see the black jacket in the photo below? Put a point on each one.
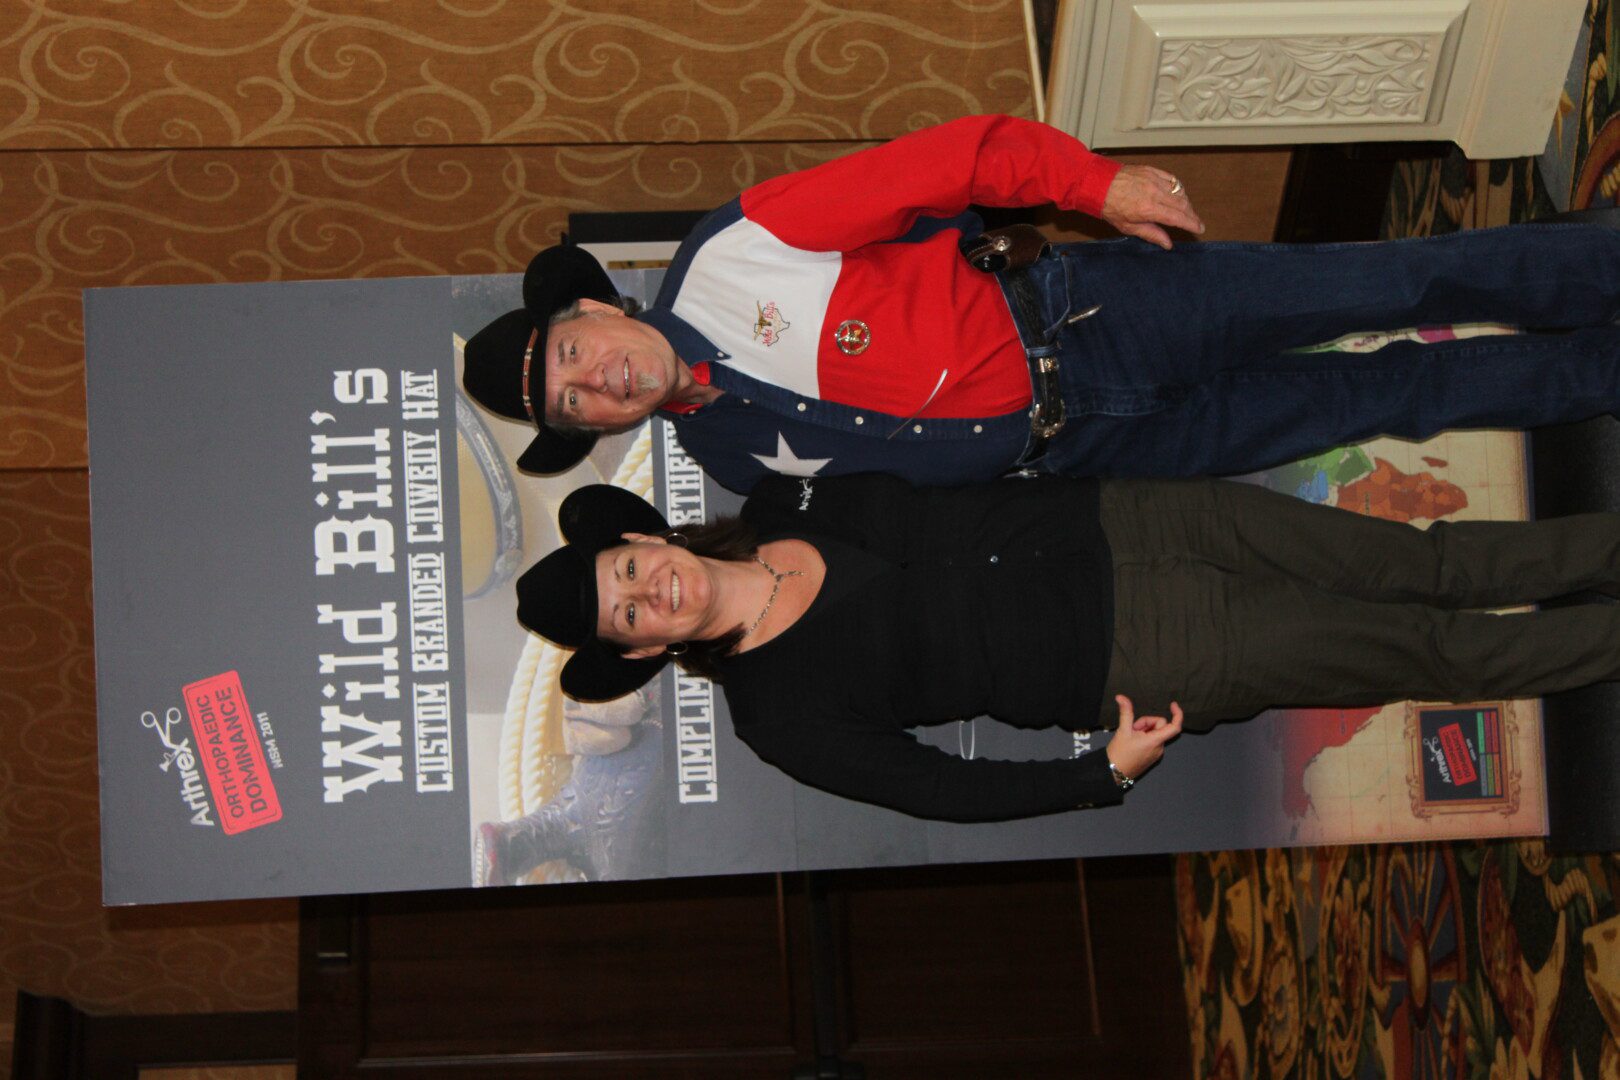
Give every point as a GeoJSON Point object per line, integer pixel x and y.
{"type": "Point", "coordinates": [938, 605]}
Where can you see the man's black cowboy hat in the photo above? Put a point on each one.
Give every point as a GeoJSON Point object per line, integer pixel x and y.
{"type": "Point", "coordinates": [557, 595]}
{"type": "Point", "coordinates": [498, 355]}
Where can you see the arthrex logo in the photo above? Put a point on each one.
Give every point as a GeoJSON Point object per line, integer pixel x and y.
{"type": "Point", "coordinates": [180, 757]}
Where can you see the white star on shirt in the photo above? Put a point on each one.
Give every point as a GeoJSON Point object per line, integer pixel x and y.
{"type": "Point", "coordinates": [787, 462]}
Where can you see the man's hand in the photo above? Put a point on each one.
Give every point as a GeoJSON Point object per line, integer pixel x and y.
{"type": "Point", "coordinates": [1138, 742]}
{"type": "Point", "coordinates": [1142, 200]}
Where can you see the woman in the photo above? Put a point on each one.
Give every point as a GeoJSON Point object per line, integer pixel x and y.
{"type": "Point", "coordinates": [838, 613]}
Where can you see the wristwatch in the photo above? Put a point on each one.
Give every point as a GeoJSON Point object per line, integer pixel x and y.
{"type": "Point", "coordinates": [1120, 778]}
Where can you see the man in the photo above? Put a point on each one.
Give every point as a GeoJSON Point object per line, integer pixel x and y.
{"type": "Point", "coordinates": [825, 322]}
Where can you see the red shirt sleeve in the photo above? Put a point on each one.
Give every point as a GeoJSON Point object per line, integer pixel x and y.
{"type": "Point", "coordinates": [877, 194]}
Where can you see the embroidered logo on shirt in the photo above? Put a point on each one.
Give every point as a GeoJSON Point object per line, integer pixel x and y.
{"type": "Point", "coordinates": [852, 337]}
{"type": "Point", "coordinates": [769, 326]}
{"type": "Point", "coordinates": [807, 490]}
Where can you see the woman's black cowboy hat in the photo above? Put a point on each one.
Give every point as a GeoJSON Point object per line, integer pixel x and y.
{"type": "Point", "coordinates": [557, 595]}
{"type": "Point", "coordinates": [497, 355]}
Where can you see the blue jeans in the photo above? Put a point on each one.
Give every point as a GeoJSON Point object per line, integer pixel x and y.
{"type": "Point", "coordinates": [1186, 371]}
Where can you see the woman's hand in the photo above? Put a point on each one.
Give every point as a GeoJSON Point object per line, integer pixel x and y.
{"type": "Point", "coordinates": [1138, 742]}
{"type": "Point", "coordinates": [1141, 199]}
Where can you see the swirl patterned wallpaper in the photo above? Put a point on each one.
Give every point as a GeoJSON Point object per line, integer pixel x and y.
{"type": "Point", "coordinates": [167, 73]}
{"type": "Point", "coordinates": [167, 141]}
{"type": "Point", "coordinates": [55, 937]}
{"type": "Point", "coordinates": [79, 220]}
{"type": "Point", "coordinates": [454, 88]}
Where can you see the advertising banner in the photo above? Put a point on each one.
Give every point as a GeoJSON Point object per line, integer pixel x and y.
{"type": "Point", "coordinates": [310, 678]}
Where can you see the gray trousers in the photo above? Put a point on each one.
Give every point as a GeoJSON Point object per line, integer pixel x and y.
{"type": "Point", "coordinates": [1231, 599]}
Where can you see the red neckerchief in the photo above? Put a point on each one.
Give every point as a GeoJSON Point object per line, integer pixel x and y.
{"type": "Point", "coordinates": [700, 373]}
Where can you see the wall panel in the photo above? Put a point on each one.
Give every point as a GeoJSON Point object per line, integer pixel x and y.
{"type": "Point", "coordinates": [55, 937]}
{"type": "Point", "coordinates": [86, 220]}
{"type": "Point", "coordinates": [172, 73]}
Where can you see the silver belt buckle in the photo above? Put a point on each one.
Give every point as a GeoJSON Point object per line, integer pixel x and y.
{"type": "Point", "coordinates": [1041, 426]}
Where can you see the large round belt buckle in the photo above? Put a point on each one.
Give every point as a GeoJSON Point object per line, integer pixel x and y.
{"type": "Point", "coordinates": [852, 337]}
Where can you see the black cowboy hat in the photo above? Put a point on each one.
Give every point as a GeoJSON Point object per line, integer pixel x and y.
{"type": "Point", "coordinates": [497, 355]}
{"type": "Point", "coordinates": [557, 595]}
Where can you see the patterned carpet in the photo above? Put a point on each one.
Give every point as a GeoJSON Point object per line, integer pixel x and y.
{"type": "Point", "coordinates": [1492, 960]}
{"type": "Point", "coordinates": [1448, 960]}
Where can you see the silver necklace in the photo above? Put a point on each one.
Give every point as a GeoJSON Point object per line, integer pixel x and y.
{"type": "Point", "coordinates": [776, 586]}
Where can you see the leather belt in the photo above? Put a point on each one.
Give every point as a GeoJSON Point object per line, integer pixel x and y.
{"type": "Point", "coordinates": [1008, 253]}
{"type": "Point", "coordinates": [1046, 411]}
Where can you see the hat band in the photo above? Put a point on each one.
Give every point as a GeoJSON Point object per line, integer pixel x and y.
{"type": "Point", "coordinates": [528, 358]}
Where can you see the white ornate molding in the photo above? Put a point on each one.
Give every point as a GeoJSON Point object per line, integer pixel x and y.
{"type": "Point", "coordinates": [1270, 63]}
{"type": "Point", "coordinates": [1141, 73]}
{"type": "Point", "coordinates": [1317, 79]}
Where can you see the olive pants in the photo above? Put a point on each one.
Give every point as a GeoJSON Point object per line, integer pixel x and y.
{"type": "Point", "coordinates": [1231, 599]}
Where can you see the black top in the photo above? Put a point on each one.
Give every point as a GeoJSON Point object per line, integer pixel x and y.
{"type": "Point", "coordinates": [938, 605]}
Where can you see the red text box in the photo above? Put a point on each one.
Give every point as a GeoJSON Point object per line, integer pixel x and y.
{"type": "Point", "coordinates": [1458, 759]}
{"type": "Point", "coordinates": [232, 756]}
